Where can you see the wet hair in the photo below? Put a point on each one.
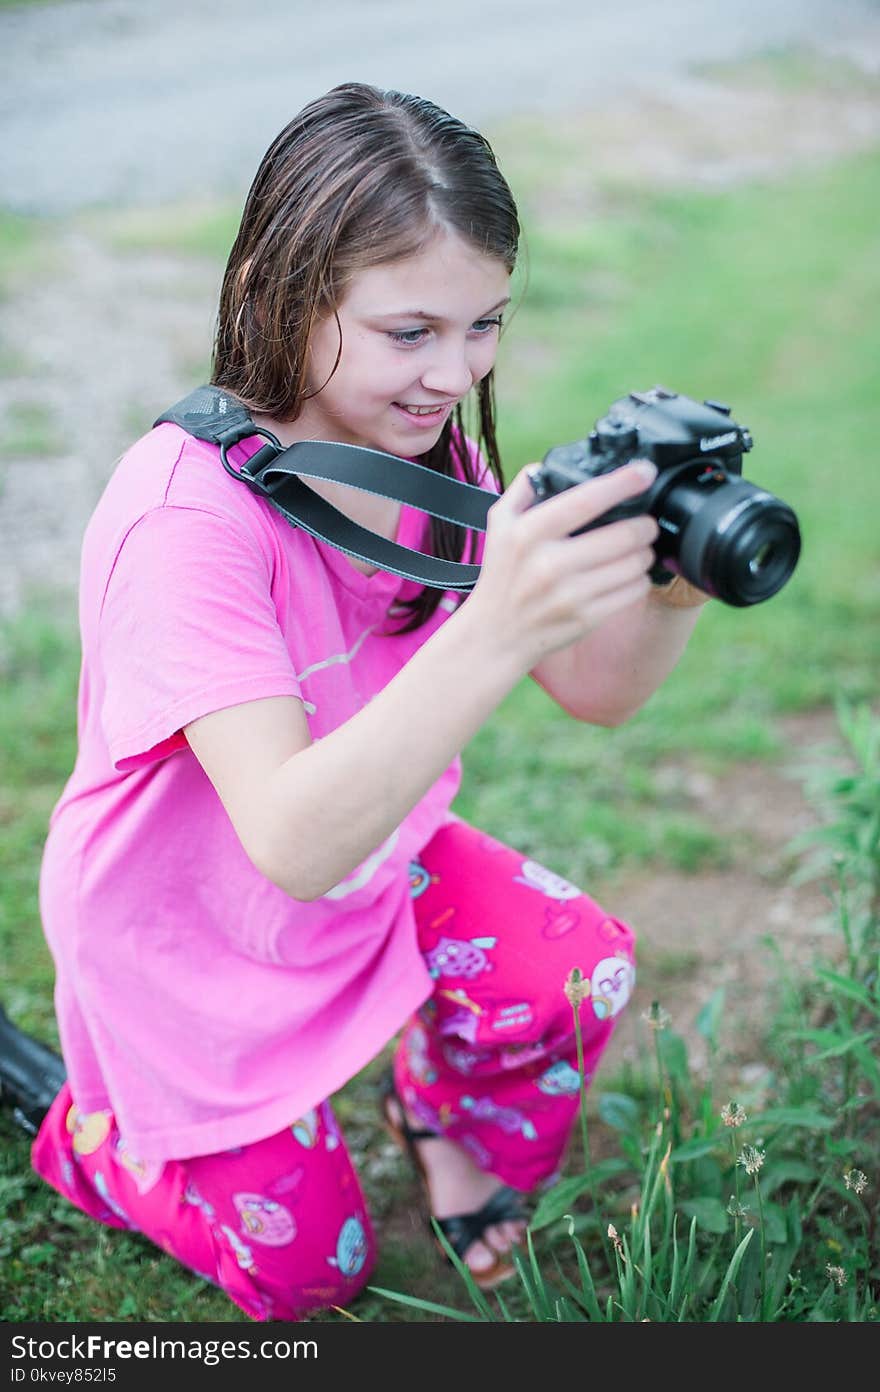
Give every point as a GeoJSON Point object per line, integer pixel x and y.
{"type": "Point", "coordinates": [361, 177]}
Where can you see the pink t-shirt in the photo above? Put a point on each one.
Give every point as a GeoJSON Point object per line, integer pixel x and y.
{"type": "Point", "coordinates": [194, 997]}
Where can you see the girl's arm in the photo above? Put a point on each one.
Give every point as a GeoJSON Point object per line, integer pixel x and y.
{"type": "Point", "coordinates": [307, 813]}
{"type": "Point", "coordinates": [608, 675]}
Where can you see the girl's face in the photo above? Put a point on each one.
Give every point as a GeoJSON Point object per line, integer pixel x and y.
{"type": "Point", "coordinates": [417, 334]}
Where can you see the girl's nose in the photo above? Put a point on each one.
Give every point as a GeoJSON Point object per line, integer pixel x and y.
{"type": "Point", "coordinates": [449, 371]}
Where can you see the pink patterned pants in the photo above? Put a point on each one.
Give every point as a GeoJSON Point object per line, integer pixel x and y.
{"type": "Point", "coordinates": [281, 1224]}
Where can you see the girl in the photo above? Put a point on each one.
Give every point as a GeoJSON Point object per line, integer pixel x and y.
{"type": "Point", "coordinates": [252, 880]}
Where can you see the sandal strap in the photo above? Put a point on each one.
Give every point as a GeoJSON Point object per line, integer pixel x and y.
{"type": "Point", "coordinates": [461, 1230]}
{"type": "Point", "coordinates": [412, 1135]}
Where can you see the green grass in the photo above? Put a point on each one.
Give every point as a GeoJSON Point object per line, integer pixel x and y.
{"type": "Point", "coordinates": [30, 431]}
{"type": "Point", "coordinates": [25, 248]}
{"type": "Point", "coordinates": [764, 297]}
{"type": "Point", "coordinates": [38, 672]}
{"type": "Point", "coordinates": [191, 229]}
{"type": "Point", "coordinates": [793, 69]}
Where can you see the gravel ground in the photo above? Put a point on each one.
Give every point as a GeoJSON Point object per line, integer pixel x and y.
{"type": "Point", "coordinates": [121, 102]}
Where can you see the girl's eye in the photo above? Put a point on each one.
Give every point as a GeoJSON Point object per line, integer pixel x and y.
{"type": "Point", "coordinates": [411, 338]}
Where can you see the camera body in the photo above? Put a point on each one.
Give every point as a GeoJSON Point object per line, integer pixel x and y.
{"type": "Point", "coordinates": [732, 539]}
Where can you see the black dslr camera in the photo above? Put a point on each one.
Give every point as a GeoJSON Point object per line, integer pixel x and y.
{"type": "Point", "coordinates": [729, 537]}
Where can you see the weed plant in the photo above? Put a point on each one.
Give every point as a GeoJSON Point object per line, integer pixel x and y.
{"type": "Point", "coordinates": [754, 1213]}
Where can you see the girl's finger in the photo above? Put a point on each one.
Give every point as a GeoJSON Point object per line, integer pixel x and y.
{"type": "Point", "coordinates": [584, 590]}
{"type": "Point", "coordinates": [566, 512]}
{"type": "Point", "coordinates": [519, 495]}
{"type": "Point", "coordinates": [597, 548]}
{"type": "Point", "coordinates": [621, 597]}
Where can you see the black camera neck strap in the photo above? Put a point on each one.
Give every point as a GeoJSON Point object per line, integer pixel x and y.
{"type": "Point", "coordinates": [276, 473]}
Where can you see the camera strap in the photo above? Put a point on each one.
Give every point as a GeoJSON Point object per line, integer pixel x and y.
{"type": "Point", "coordinates": [276, 473]}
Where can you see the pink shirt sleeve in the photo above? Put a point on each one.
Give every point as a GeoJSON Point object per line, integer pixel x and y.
{"type": "Point", "coordinates": [188, 626]}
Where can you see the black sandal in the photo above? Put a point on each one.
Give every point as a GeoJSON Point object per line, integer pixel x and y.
{"type": "Point", "coordinates": [461, 1230]}
{"type": "Point", "coordinates": [31, 1075]}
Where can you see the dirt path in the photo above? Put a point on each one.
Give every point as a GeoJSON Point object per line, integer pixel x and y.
{"type": "Point", "coordinates": [710, 930]}
{"type": "Point", "coordinates": [117, 102]}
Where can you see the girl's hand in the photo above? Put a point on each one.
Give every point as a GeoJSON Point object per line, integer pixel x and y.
{"type": "Point", "coordinates": [540, 588]}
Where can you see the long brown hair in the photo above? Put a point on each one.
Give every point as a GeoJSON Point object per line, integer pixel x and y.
{"type": "Point", "coordinates": [359, 178]}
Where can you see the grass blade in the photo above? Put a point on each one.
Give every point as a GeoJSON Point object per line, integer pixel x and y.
{"type": "Point", "coordinates": [428, 1305]}
{"type": "Point", "coordinates": [729, 1275]}
{"type": "Point", "coordinates": [589, 1289]}
{"type": "Point", "coordinates": [478, 1298]}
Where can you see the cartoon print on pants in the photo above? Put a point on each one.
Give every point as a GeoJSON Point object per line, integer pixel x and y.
{"type": "Point", "coordinates": [511, 1015]}
{"type": "Point", "coordinates": [420, 879]}
{"type": "Point", "coordinates": [192, 1196]}
{"type": "Point", "coordinates": [520, 1052]}
{"type": "Point", "coordinates": [536, 876]}
{"type": "Point", "coordinates": [332, 1134]}
{"type": "Point", "coordinates": [558, 921]}
{"type": "Point", "coordinates": [145, 1173]}
{"type": "Point", "coordinates": [100, 1184]}
{"type": "Point", "coordinates": [510, 1119]}
{"type": "Point", "coordinates": [88, 1129]}
{"type": "Point", "coordinates": [243, 1254]}
{"type": "Point", "coordinates": [265, 1220]}
{"type": "Point", "coordinates": [461, 1059]}
{"type": "Point", "coordinates": [417, 1060]}
{"type": "Point", "coordinates": [289, 1182]}
{"type": "Point", "coordinates": [432, 1118]}
{"type": "Point", "coordinates": [611, 985]}
{"type": "Point", "coordinates": [306, 1129]}
{"type": "Point", "coordinates": [351, 1248]}
{"type": "Point", "coordinates": [465, 1021]}
{"type": "Point", "coordinates": [459, 957]}
{"type": "Point", "coordinates": [559, 1080]}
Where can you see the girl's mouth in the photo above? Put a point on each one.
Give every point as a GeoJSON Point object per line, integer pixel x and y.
{"type": "Point", "coordinates": [422, 416]}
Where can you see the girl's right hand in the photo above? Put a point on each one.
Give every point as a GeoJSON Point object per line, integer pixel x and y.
{"type": "Point", "coordinates": [541, 588]}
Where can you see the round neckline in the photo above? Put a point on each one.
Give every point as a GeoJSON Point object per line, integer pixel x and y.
{"type": "Point", "coordinates": [382, 583]}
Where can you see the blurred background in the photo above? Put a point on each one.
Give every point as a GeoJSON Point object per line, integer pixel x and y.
{"type": "Point", "coordinates": [699, 183]}
{"type": "Point", "coordinates": [131, 134]}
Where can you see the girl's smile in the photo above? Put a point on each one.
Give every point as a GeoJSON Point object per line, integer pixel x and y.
{"type": "Point", "coordinates": [425, 417]}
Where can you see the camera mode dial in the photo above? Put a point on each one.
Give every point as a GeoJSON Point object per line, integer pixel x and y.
{"type": "Point", "coordinates": [614, 435]}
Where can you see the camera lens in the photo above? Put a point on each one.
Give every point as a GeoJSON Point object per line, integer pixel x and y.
{"type": "Point", "coordinates": [754, 556]}
{"type": "Point", "coordinates": [737, 541]}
